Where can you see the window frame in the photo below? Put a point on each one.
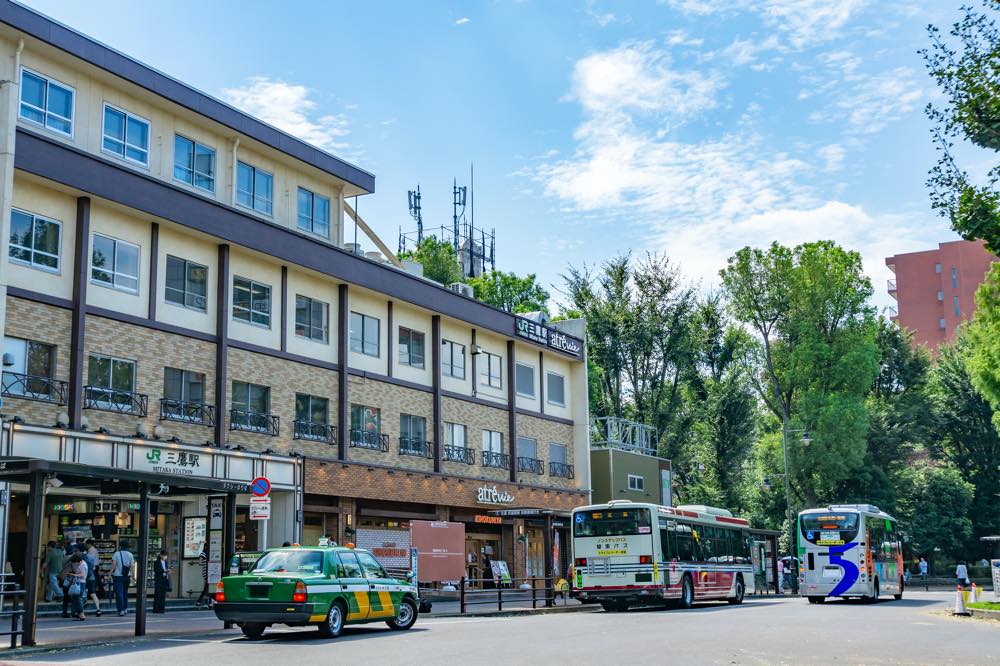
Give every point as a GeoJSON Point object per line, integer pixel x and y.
{"type": "Point", "coordinates": [113, 271]}
{"type": "Point", "coordinates": [250, 310]}
{"type": "Point", "coordinates": [254, 196]}
{"type": "Point", "coordinates": [249, 388]}
{"type": "Point", "coordinates": [521, 439]}
{"type": "Point", "coordinates": [637, 483]}
{"type": "Point", "coordinates": [312, 212]}
{"type": "Point", "coordinates": [31, 263]}
{"type": "Point", "coordinates": [548, 388]}
{"type": "Point", "coordinates": [364, 417]}
{"type": "Point", "coordinates": [414, 445]}
{"type": "Point", "coordinates": [450, 429]}
{"type": "Point", "coordinates": [111, 373]}
{"type": "Point", "coordinates": [955, 302]}
{"type": "Point", "coordinates": [45, 112]}
{"type": "Point", "coordinates": [448, 359]}
{"type": "Point", "coordinates": [312, 400]}
{"type": "Point", "coordinates": [489, 434]}
{"type": "Point", "coordinates": [363, 339]}
{"type": "Point", "coordinates": [554, 446]}
{"type": "Point", "coordinates": [124, 141]}
{"type": "Point", "coordinates": [517, 389]}
{"type": "Point", "coordinates": [185, 385]}
{"type": "Point", "coordinates": [487, 372]}
{"type": "Point", "coordinates": [410, 333]}
{"type": "Point", "coordinates": [954, 277]}
{"type": "Point", "coordinates": [194, 162]}
{"type": "Point", "coordinates": [309, 327]}
{"type": "Point", "coordinates": [187, 265]}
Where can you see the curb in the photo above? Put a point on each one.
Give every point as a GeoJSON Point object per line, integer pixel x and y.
{"type": "Point", "coordinates": [8, 653]}
{"type": "Point", "coordinates": [985, 614]}
{"type": "Point", "coordinates": [514, 612]}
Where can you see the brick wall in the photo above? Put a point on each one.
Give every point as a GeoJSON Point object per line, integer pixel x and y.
{"type": "Point", "coordinates": [42, 323]}
{"type": "Point", "coordinates": [392, 400]}
{"type": "Point", "coordinates": [546, 432]}
{"type": "Point", "coordinates": [476, 419]}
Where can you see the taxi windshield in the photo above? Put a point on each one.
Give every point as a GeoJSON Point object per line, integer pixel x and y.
{"type": "Point", "coordinates": [291, 561]}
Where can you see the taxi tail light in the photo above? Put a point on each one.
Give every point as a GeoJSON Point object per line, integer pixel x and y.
{"type": "Point", "coordinates": [645, 559]}
{"type": "Point", "coordinates": [220, 592]}
{"type": "Point", "coordinates": [581, 561]}
{"type": "Point", "coordinates": [299, 596]}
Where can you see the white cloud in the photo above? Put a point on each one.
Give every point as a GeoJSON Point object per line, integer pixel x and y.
{"type": "Point", "coordinates": [682, 38]}
{"type": "Point", "coordinates": [874, 101]}
{"type": "Point", "coordinates": [833, 156]}
{"type": "Point", "coordinates": [463, 20]}
{"type": "Point", "coordinates": [746, 51]}
{"type": "Point", "coordinates": [289, 107]}
{"type": "Point", "coordinates": [603, 19]}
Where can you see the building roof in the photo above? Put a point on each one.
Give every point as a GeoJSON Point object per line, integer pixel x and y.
{"type": "Point", "coordinates": [99, 55]}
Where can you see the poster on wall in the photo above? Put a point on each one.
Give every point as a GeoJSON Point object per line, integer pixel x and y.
{"type": "Point", "coordinates": [441, 549]}
{"type": "Point", "coordinates": [390, 547]}
{"type": "Point", "coordinates": [195, 532]}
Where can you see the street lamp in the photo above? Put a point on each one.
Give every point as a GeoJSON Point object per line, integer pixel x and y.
{"type": "Point", "coordinates": [806, 439]}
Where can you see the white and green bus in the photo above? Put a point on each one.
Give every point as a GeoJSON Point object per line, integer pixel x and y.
{"type": "Point", "coordinates": [849, 550]}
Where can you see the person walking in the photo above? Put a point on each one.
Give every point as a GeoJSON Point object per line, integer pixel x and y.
{"type": "Point", "coordinates": [922, 568]}
{"type": "Point", "coordinates": [786, 575]}
{"type": "Point", "coordinates": [76, 586]}
{"type": "Point", "coordinates": [122, 563]}
{"type": "Point", "coordinates": [161, 582]}
{"type": "Point", "coordinates": [962, 574]}
{"type": "Point", "coordinates": [204, 596]}
{"type": "Point", "coordinates": [65, 579]}
{"type": "Point", "coordinates": [54, 560]}
{"type": "Point", "coordinates": [93, 560]}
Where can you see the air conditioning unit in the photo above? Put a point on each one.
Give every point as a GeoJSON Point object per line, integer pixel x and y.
{"type": "Point", "coordinates": [463, 289]}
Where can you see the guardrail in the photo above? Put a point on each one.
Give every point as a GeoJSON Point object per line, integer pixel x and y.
{"type": "Point", "coordinates": [33, 387]}
{"type": "Point", "coordinates": [474, 592]}
{"type": "Point", "coordinates": [9, 590]}
{"type": "Point", "coordinates": [112, 400]}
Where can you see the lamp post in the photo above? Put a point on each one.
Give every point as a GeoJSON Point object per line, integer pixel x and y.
{"type": "Point", "coordinates": [788, 499]}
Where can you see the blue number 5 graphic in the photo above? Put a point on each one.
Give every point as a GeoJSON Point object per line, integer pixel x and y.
{"type": "Point", "coordinates": [850, 569]}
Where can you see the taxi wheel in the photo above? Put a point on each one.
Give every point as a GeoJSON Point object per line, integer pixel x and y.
{"type": "Point", "coordinates": [406, 617]}
{"type": "Point", "coordinates": [334, 623]}
{"type": "Point", "coordinates": [252, 630]}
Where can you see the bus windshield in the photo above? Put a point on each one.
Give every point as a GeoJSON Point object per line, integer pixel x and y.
{"type": "Point", "coordinates": [616, 522]}
{"type": "Point", "coordinates": [291, 561]}
{"type": "Point", "coordinates": [828, 529]}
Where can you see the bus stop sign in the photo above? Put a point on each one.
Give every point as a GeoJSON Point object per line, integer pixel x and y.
{"type": "Point", "coordinates": [260, 487]}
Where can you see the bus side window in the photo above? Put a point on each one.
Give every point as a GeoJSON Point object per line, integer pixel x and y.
{"type": "Point", "coordinates": [685, 544]}
{"type": "Point", "coordinates": [665, 540]}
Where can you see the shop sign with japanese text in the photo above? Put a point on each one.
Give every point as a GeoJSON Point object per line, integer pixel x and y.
{"type": "Point", "coordinates": [171, 461]}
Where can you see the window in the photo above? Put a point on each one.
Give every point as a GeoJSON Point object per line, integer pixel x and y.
{"type": "Point", "coordinates": [33, 368]}
{"type": "Point", "coordinates": [183, 395]}
{"type": "Point", "coordinates": [527, 447]}
{"type": "Point", "coordinates": [350, 565]}
{"type": "Point", "coordinates": [411, 347]}
{"type": "Point", "coordinates": [187, 283]}
{"type": "Point", "coordinates": [489, 374]}
{"type": "Point", "coordinates": [34, 240]}
{"type": "Point", "coordinates": [108, 378]}
{"type": "Point", "coordinates": [312, 319]}
{"type": "Point", "coordinates": [941, 323]}
{"type": "Point", "coordinates": [251, 404]}
{"type": "Point", "coordinates": [251, 302]}
{"type": "Point", "coordinates": [312, 414]}
{"type": "Point", "coordinates": [937, 268]}
{"type": "Point", "coordinates": [366, 428]}
{"type": "Point", "coordinates": [364, 334]}
{"type": "Point", "coordinates": [194, 163]}
{"type": "Point", "coordinates": [412, 433]}
{"type": "Point", "coordinates": [454, 435]}
{"type": "Point", "coordinates": [314, 213]}
{"type": "Point", "coordinates": [940, 296]}
{"type": "Point", "coordinates": [492, 441]}
{"type": "Point", "coordinates": [115, 264]}
{"type": "Point", "coordinates": [636, 482]}
{"type": "Point", "coordinates": [555, 389]}
{"type": "Point", "coordinates": [954, 278]}
{"type": "Point", "coordinates": [453, 359]}
{"type": "Point", "coordinates": [253, 188]}
{"type": "Point", "coordinates": [955, 302]}
{"type": "Point", "coordinates": [125, 135]}
{"type": "Point", "coordinates": [524, 380]}
{"type": "Point", "coordinates": [557, 453]}
{"type": "Point", "coordinates": [47, 102]}
{"type": "Point", "coordinates": [370, 565]}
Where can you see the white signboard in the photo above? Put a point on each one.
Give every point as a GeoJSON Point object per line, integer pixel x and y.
{"type": "Point", "coordinates": [195, 531]}
{"type": "Point", "coordinates": [216, 506]}
{"type": "Point", "coordinates": [166, 460]}
{"type": "Point", "coordinates": [995, 569]}
{"type": "Point", "coordinates": [260, 508]}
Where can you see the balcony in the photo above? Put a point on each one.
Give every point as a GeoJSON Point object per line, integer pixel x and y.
{"type": "Point", "coordinates": [314, 432]}
{"type": "Point", "coordinates": [561, 470]}
{"type": "Point", "coordinates": [250, 421]}
{"type": "Point", "coordinates": [891, 284]}
{"type": "Point", "coordinates": [32, 387]}
{"type": "Point", "coordinates": [459, 454]}
{"type": "Point", "coordinates": [113, 400]}
{"type": "Point", "coordinates": [533, 465]}
{"type": "Point", "coordinates": [186, 411]}
{"type": "Point", "coordinates": [496, 460]}
{"type": "Point", "coordinates": [412, 446]}
{"type": "Point", "coordinates": [368, 439]}
{"type": "Point", "coordinates": [892, 312]}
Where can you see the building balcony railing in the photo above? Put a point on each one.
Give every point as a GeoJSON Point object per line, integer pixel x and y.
{"type": "Point", "coordinates": [113, 400]}
{"type": "Point", "coordinates": [459, 454]}
{"type": "Point", "coordinates": [367, 439]}
{"type": "Point", "coordinates": [187, 411]}
{"type": "Point", "coordinates": [891, 284]}
{"type": "Point", "coordinates": [412, 446]}
{"type": "Point", "coordinates": [316, 432]}
{"type": "Point", "coordinates": [251, 421]}
{"type": "Point", "coordinates": [562, 470]}
{"type": "Point", "coordinates": [533, 465]}
{"type": "Point", "coordinates": [33, 387]}
{"type": "Point", "coordinates": [497, 460]}
{"type": "Point", "coordinates": [892, 312]}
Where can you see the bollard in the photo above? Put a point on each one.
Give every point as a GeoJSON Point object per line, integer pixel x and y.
{"type": "Point", "coordinates": [960, 608]}
{"type": "Point", "coordinates": [461, 596]}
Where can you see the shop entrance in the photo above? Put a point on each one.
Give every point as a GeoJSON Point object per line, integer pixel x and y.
{"type": "Point", "coordinates": [480, 552]}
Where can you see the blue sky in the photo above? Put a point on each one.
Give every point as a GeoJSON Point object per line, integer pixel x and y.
{"type": "Point", "coordinates": [691, 127]}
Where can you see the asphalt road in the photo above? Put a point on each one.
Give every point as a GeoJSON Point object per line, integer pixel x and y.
{"type": "Point", "coordinates": [915, 630]}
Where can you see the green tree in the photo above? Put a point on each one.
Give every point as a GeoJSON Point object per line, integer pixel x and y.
{"type": "Point", "coordinates": [935, 509]}
{"type": "Point", "coordinates": [510, 292]}
{"type": "Point", "coordinates": [438, 259]}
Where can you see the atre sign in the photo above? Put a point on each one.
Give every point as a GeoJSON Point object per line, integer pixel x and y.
{"type": "Point", "coordinates": [491, 495]}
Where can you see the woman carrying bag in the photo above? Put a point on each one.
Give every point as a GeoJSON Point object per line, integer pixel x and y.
{"type": "Point", "coordinates": [76, 584]}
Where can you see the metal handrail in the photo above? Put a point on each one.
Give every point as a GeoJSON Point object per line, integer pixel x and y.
{"type": "Point", "coordinates": [497, 460]}
{"type": "Point", "coordinates": [251, 421]}
{"type": "Point", "coordinates": [373, 441]}
{"type": "Point", "coordinates": [533, 465]}
{"type": "Point", "coordinates": [113, 400]}
{"type": "Point", "coordinates": [317, 432]}
{"type": "Point", "coordinates": [15, 612]}
{"type": "Point", "coordinates": [187, 411]}
{"type": "Point", "coordinates": [891, 284]}
{"type": "Point", "coordinates": [412, 446]}
{"type": "Point", "coordinates": [460, 454]}
{"type": "Point", "coordinates": [34, 387]}
{"type": "Point", "coordinates": [471, 596]}
{"type": "Point", "coordinates": [562, 470]}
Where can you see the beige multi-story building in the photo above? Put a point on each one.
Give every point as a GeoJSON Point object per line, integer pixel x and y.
{"type": "Point", "coordinates": [175, 280]}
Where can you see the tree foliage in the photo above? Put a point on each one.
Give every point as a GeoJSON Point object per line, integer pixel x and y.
{"type": "Point", "coordinates": [510, 292]}
{"type": "Point", "coordinates": [438, 259]}
{"type": "Point", "coordinates": [936, 510]}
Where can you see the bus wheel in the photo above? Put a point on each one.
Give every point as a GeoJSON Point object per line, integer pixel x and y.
{"type": "Point", "coordinates": [614, 606]}
{"type": "Point", "coordinates": [899, 595]}
{"type": "Point", "coordinates": [874, 598]}
{"type": "Point", "coordinates": [687, 593]}
{"type": "Point", "coordinates": [740, 591]}
{"type": "Point", "coordinates": [817, 600]}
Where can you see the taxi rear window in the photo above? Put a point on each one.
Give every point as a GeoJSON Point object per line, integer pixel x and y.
{"type": "Point", "coordinates": [291, 561]}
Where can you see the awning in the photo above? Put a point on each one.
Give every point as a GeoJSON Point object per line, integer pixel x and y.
{"type": "Point", "coordinates": [531, 513]}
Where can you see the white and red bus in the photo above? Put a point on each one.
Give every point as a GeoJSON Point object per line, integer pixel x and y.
{"type": "Point", "coordinates": [629, 553]}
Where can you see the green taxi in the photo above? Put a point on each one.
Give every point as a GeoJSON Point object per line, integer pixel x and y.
{"type": "Point", "coordinates": [323, 586]}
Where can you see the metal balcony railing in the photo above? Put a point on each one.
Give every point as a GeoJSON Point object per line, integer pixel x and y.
{"type": "Point", "coordinates": [892, 312]}
{"type": "Point", "coordinates": [891, 284]}
{"type": "Point", "coordinates": [316, 432]}
{"type": "Point", "coordinates": [459, 454]}
{"type": "Point", "coordinates": [33, 387]}
{"type": "Point", "coordinates": [533, 465]}
{"type": "Point", "coordinates": [367, 439]}
{"type": "Point", "coordinates": [412, 446]}
{"type": "Point", "coordinates": [251, 421]}
{"type": "Point", "coordinates": [187, 411]}
{"type": "Point", "coordinates": [113, 400]}
{"type": "Point", "coordinates": [497, 460]}
{"type": "Point", "coordinates": [561, 470]}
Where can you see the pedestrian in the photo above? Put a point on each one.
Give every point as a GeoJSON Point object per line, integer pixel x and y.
{"type": "Point", "coordinates": [786, 575]}
{"type": "Point", "coordinates": [161, 582]}
{"type": "Point", "coordinates": [122, 564]}
{"type": "Point", "coordinates": [962, 574]}
{"type": "Point", "coordinates": [65, 578]}
{"type": "Point", "coordinates": [54, 559]}
{"type": "Point", "coordinates": [922, 567]}
{"type": "Point", "coordinates": [204, 596]}
{"type": "Point", "coordinates": [76, 584]}
{"type": "Point", "coordinates": [93, 560]}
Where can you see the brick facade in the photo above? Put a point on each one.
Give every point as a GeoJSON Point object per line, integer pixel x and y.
{"type": "Point", "coordinates": [41, 323]}
{"type": "Point", "coordinates": [476, 418]}
{"type": "Point", "coordinates": [546, 432]}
